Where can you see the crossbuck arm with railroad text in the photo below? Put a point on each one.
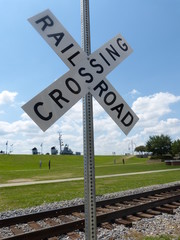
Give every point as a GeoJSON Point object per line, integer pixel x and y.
{"type": "Point", "coordinates": [86, 74]}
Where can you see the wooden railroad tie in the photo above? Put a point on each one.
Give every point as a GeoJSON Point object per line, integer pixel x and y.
{"type": "Point", "coordinates": [34, 225]}
{"type": "Point", "coordinates": [16, 230]}
{"type": "Point", "coordinates": [74, 235]}
{"type": "Point", "coordinates": [124, 222]}
{"type": "Point", "coordinates": [164, 210]}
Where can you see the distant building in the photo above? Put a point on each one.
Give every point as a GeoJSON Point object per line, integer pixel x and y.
{"type": "Point", "coordinates": [34, 151]}
{"type": "Point", "coordinates": [66, 150]}
{"type": "Point", "coordinates": [78, 153]}
{"type": "Point", "coordinates": [54, 151]}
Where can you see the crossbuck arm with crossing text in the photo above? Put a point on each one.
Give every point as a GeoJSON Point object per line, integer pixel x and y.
{"type": "Point", "coordinates": [86, 74]}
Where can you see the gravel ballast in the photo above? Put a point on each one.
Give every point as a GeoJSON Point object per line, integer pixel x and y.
{"type": "Point", "coordinates": [164, 224]}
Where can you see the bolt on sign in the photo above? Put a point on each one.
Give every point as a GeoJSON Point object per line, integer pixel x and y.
{"type": "Point", "coordinates": [86, 74]}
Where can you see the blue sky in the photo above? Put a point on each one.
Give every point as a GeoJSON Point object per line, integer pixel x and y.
{"type": "Point", "coordinates": [148, 80]}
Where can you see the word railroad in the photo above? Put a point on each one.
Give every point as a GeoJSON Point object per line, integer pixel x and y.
{"type": "Point", "coordinates": [86, 74]}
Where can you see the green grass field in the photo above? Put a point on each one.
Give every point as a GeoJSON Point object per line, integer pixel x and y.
{"type": "Point", "coordinates": [18, 168]}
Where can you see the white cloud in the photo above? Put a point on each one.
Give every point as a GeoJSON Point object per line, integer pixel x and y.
{"type": "Point", "coordinates": [2, 112]}
{"type": "Point", "coordinates": [151, 108]}
{"type": "Point", "coordinates": [17, 127]}
{"type": "Point", "coordinates": [170, 127]}
{"type": "Point", "coordinates": [153, 111]}
{"type": "Point", "coordinates": [7, 97]}
{"type": "Point", "coordinates": [24, 116]}
{"type": "Point", "coordinates": [98, 110]}
{"type": "Point", "coordinates": [134, 92]}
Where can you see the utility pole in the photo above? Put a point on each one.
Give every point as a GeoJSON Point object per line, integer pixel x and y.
{"type": "Point", "coordinates": [11, 149]}
{"type": "Point", "coordinates": [41, 148]}
{"type": "Point", "coordinates": [6, 147]}
{"type": "Point", "coordinates": [60, 142]}
{"type": "Point", "coordinates": [131, 146]}
{"type": "Point", "coordinates": [88, 137]}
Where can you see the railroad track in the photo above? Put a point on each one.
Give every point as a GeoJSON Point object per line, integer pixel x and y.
{"type": "Point", "coordinates": [121, 210]}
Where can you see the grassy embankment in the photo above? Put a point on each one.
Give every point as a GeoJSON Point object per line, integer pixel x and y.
{"type": "Point", "coordinates": [17, 168]}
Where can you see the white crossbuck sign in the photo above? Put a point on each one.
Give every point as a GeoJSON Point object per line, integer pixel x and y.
{"type": "Point", "coordinates": [86, 74]}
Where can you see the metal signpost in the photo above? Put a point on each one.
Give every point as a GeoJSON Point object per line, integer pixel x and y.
{"type": "Point", "coordinates": [85, 78]}
{"type": "Point", "coordinates": [88, 130]}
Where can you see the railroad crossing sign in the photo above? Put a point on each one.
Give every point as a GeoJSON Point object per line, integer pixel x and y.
{"type": "Point", "coordinates": [86, 74]}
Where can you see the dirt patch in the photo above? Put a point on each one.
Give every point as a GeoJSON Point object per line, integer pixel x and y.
{"type": "Point", "coordinates": [20, 180]}
{"type": "Point", "coordinates": [154, 161]}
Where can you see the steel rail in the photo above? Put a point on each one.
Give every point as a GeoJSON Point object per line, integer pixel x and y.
{"type": "Point", "coordinates": [79, 208]}
{"type": "Point", "coordinates": [101, 218]}
{"type": "Point", "coordinates": [107, 217]}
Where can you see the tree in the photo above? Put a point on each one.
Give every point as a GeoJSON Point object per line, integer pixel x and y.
{"type": "Point", "coordinates": [159, 145]}
{"type": "Point", "coordinates": [176, 147]}
{"type": "Point", "coordinates": [140, 149]}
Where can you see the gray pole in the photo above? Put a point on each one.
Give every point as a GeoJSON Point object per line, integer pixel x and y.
{"type": "Point", "coordinates": [89, 170]}
{"type": "Point", "coordinates": [60, 142]}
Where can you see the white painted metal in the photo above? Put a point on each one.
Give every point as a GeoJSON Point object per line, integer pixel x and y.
{"type": "Point", "coordinates": [87, 70]}
{"type": "Point", "coordinates": [48, 106]}
{"type": "Point", "coordinates": [114, 105]}
{"type": "Point", "coordinates": [46, 24]}
{"type": "Point", "coordinates": [111, 54]}
{"type": "Point", "coordinates": [88, 66]}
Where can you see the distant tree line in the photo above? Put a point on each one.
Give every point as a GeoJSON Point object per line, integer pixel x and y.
{"type": "Point", "coordinates": [159, 146]}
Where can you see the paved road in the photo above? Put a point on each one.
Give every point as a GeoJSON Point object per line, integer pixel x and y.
{"type": "Point", "coordinates": [81, 178]}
